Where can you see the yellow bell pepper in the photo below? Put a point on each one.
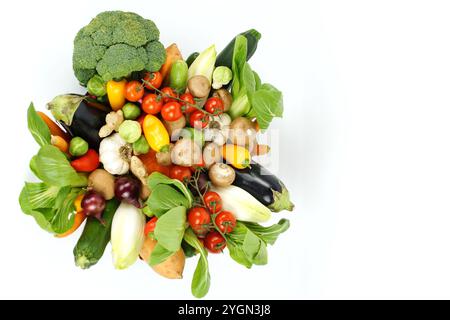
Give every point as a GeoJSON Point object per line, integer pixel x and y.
{"type": "Point", "coordinates": [116, 93]}
{"type": "Point", "coordinates": [155, 133]}
{"type": "Point", "coordinates": [238, 156]}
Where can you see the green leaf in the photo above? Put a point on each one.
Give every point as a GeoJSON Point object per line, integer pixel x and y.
{"type": "Point", "coordinates": [261, 258]}
{"type": "Point", "coordinates": [251, 245]}
{"type": "Point", "coordinates": [237, 254]}
{"type": "Point", "coordinates": [189, 251]}
{"type": "Point", "coordinates": [41, 195]}
{"type": "Point", "coordinates": [239, 59]}
{"type": "Point", "coordinates": [271, 233]}
{"type": "Point", "coordinates": [157, 178]}
{"type": "Point", "coordinates": [41, 217]}
{"type": "Point", "coordinates": [170, 228]}
{"type": "Point", "coordinates": [257, 80]}
{"type": "Point", "coordinates": [247, 243]}
{"type": "Point", "coordinates": [53, 168]}
{"type": "Point", "coordinates": [64, 210]}
{"type": "Point", "coordinates": [159, 255]}
{"type": "Point", "coordinates": [267, 103]}
{"type": "Point", "coordinates": [201, 280]}
{"type": "Point", "coordinates": [163, 198]}
{"type": "Point", "coordinates": [248, 78]}
{"type": "Point", "coordinates": [38, 128]}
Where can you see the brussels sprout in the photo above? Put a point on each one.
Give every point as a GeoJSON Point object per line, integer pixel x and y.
{"type": "Point", "coordinates": [141, 146]}
{"type": "Point", "coordinates": [96, 86]}
{"type": "Point", "coordinates": [78, 147]}
{"type": "Point", "coordinates": [130, 131]}
{"type": "Point", "coordinates": [131, 111]}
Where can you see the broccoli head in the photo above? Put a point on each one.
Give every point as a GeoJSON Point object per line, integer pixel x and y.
{"type": "Point", "coordinates": [115, 44]}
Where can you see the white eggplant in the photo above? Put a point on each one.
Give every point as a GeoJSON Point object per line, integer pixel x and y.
{"type": "Point", "coordinates": [127, 235]}
{"type": "Point", "coordinates": [242, 204]}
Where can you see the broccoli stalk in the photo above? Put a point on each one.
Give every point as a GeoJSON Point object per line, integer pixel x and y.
{"type": "Point", "coordinates": [115, 44]}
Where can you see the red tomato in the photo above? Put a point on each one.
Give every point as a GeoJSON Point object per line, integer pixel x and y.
{"type": "Point", "coordinates": [150, 225]}
{"type": "Point", "coordinates": [171, 111]}
{"type": "Point", "coordinates": [152, 103]}
{"type": "Point", "coordinates": [214, 105]}
{"type": "Point", "coordinates": [198, 119]}
{"type": "Point", "coordinates": [153, 80]}
{"type": "Point", "coordinates": [199, 220]}
{"type": "Point", "coordinates": [180, 173]}
{"type": "Point", "coordinates": [167, 94]}
{"type": "Point", "coordinates": [214, 242]}
{"type": "Point", "coordinates": [213, 201]}
{"type": "Point", "coordinates": [189, 98]}
{"type": "Point", "coordinates": [134, 91]}
{"type": "Point", "coordinates": [225, 221]}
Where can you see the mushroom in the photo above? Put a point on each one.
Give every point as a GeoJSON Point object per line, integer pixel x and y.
{"type": "Point", "coordinates": [221, 174]}
{"type": "Point", "coordinates": [211, 154]}
{"type": "Point", "coordinates": [186, 153]}
{"type": "Point", "coordinates": [199, 86]}
{"type": "Point", "coordinates": [242, 132]}
{"type": "Point", "coordinates": [226, 98]}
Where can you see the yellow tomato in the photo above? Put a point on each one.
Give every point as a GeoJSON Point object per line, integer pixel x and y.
{"type": "Point", "coordinates": [116, 93]}
{"type": "Point", "coordinates": [238, 156]}
{"type": "Point", "coordinates": [155, 133]}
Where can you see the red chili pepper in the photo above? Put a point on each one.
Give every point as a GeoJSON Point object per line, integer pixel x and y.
{"type": "Point", "coordinates": [87, 163]}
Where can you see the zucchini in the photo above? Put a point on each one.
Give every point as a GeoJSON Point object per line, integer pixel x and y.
{"type": "Point", "coordinates": [92, 243]}
{"type": "Point", "coordinates": [225, 58]}
{"type": "Point", "coordinates": [264, 186]}
{"type": "Point", "coordinates": [191, 58]}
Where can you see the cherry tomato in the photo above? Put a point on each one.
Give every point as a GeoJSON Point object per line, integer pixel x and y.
{"type": "Point", "coordinates": [214, 242]}
{"type": "Point", "coordinates": [225, 221]}
{"type": "Point", "coordinates": [134, 91]}
{"type": "Point", "coordinates": [152, 103]}
{"type": "Point", "coordinates": [168, 93]}
{"type": "Point", "coordinates": [171, 111]}
{"type": "Point", "coordinates": [214, 105]}
{"type": "Point", "coordinates": [180, 173]}
{"type": "Point", "coordinates": [189, 98]}
{"type": "Point", "coordinates": [153, 80]}
{"type": "Point", "coordinates": [150, 225]}
{"type": "Point", "coordinates": [198, 119]}
{"type": "Point", "coordinates": [199, 220]}
{"type": "Point", "coordinates": [213, 201]}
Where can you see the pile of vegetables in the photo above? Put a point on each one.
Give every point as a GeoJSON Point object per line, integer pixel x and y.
{"type": "Point", "coordinates": [158, 156]}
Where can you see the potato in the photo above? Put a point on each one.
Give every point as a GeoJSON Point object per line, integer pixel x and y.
{"type": "Point", "coordinates": [164, 158]}
{"type": "Point", "coordinates": [172, 268]}
{"type": "Point", "coordinates": [103, 182]}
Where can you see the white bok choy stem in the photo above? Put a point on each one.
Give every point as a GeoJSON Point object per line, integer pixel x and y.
{"type": "Point", "coordinates": [127, 235]}
{"type": "Point", "coordinates": [242, 204]}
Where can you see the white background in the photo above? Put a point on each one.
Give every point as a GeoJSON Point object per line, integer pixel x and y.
{"type": "Point", "coordinates": [364, 146]}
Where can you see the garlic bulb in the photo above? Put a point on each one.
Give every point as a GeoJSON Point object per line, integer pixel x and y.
{"type": "Point", "coordinates": [115, 154]}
